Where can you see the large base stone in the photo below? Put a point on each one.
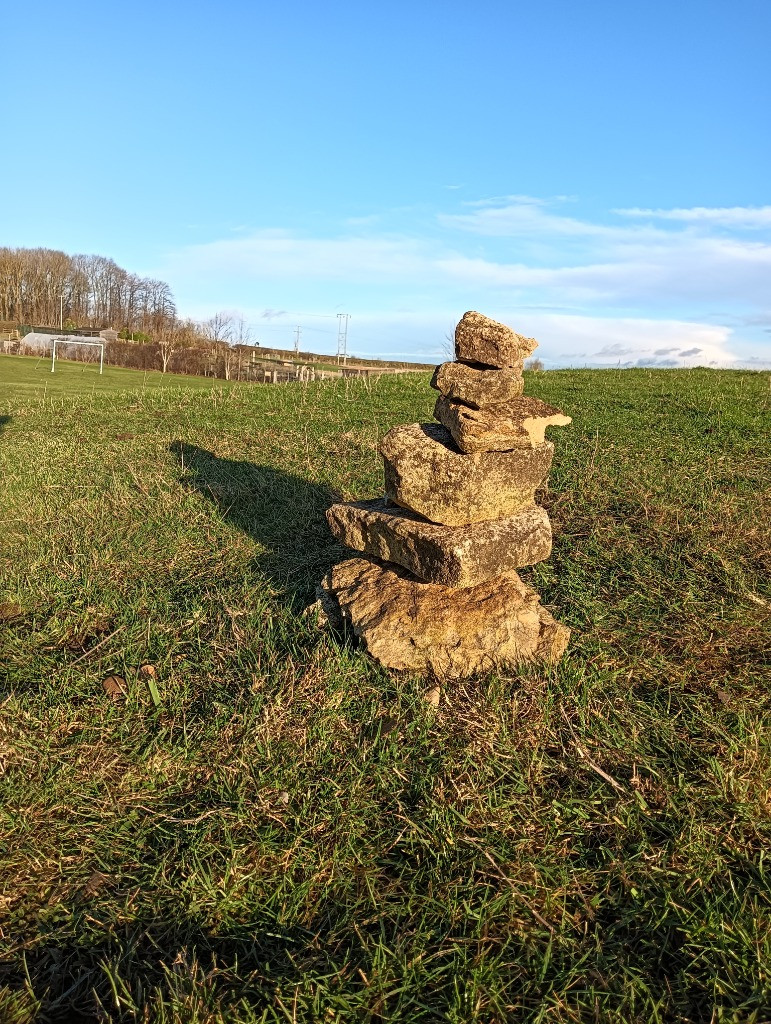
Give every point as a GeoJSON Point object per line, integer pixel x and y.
{"type": "Point", "coordinates": [412, 626]}
{"type": "Point", "coordinates": [522, 422]}
{"type": "Point", "coordinates": [477, 387]}
{"type": "Point", "coordinates": [481, 340]}
{"type": "Point", "coordinates": [425, 471]}
{"type": "Point", "coordinates": [456, 556]}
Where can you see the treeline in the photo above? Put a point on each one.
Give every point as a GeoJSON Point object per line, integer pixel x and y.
{"type": "Point", "coordinates": [218, 347]}
{"type": "Point", "coordinates": [174, 354]}
{"type": "Point", "coordinates": [186, 348]}
{"type": "Point", "coordinates": [48, 287]}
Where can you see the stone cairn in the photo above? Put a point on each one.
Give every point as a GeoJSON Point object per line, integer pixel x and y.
{"type": "Point", "coordinates": [437, 589]}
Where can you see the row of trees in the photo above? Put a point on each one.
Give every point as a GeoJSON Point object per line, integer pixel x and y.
{"type": "Point", "coordinates": [214, 347]}
{"type": "Point", "coordinates": [183, 351]}
{"type": "Point", "coordinates": [186, 350]}
{"type": "Point", "coordinates": [218, 347]}
{"type": "Point", "coordinates": [44, 286]}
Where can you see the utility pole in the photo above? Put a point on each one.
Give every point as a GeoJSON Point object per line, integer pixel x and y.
{"type": "Point", "coordinates": [342, 336]}
{"type": "Point", "coordinates": [297, 340]}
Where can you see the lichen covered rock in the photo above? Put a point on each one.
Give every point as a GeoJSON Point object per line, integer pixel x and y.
{"type": "Point", "coordinates": [478, 339]}
{"type": "Point", "coordinates": [477, 387]}
{"type": "Point", "coordinates": [521, 422]}
{"type": "Point", "coordinates": [456, 556]}
{"type": "Point", "coordinates": [408, 625]}
{"type": "Point", "coordinates": [426, 472]}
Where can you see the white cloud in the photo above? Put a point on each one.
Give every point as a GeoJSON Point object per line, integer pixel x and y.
{"type": "Point", "coordinates": [565, 340]}
{"type": "Point", "coordinates": [690, 271]}
{"type": "Point", "coordinates": [687, 271]}
{"type": "Point", "coordinates": [719, 216]}
{"type": "Point", "coordinates": [628, 341]}
{"type": "Point", "coordinates": [683, 292]}
{"type": "Point", "coordinates": [279, 254]}
{"type": "Point", "coordinates": [521, 216]}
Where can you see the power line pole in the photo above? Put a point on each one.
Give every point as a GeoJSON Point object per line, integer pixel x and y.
{"type": "Point", "coordinates": [297, 340]}
{"type": "Point", "coordinates": [342, 336]}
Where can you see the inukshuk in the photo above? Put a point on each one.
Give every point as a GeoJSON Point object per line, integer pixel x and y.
{"type": "Point", "coordinates": [437, 587]}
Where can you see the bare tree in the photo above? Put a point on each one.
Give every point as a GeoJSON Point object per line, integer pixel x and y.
{"type": "Point", "coordinates": [44, 286]}
{"type": "Point", "coordinates": [172, 338]}
{"type": "Point", "coordinates": [219, 327]}
{"type": "Point", "coordinates": [219, 331]}
{"type": "Point", "coordinates": [166, 340]}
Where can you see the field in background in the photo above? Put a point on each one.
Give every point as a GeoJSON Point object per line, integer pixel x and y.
{"type": "Point", "coordinates": [273, 829]}
{"type": "Point", "coordinates": [72, 378]}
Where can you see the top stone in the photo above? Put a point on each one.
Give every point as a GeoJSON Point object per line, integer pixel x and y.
{"type": "Point", "coordinates": [481, 340]}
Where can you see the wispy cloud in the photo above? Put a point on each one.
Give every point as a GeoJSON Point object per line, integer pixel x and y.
{"type": "Point", "coordinates": [634, 341]}
{"type": "Point", "coordinates": [674, 285]}
{"type": "Point", "coordinates": [720, 216]}
{"type": "Point", "coordinates": [520, 216]}
{"type": "Point", "coordinates": [656, 276]}
{"type": "Point", "coordinates": [271, 254]}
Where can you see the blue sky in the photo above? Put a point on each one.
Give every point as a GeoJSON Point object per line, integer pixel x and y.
{"type": "Point", "coordinates": [595, 174]}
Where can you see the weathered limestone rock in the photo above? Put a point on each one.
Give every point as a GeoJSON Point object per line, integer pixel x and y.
{"type": "Point", "coordinates": [409, 625]}
{"type": "Point", "coordinates": [477, 387]}
{"type": "Point", "coordinates": [456, 556]}
{"type": "Point", "coordinates": [436, 590]}
{"type": "Point", "coordinates": [481, 340]}
{"type": "Point", "coordinates": [424, 471]}
{"type": "Point", "coordinates": [498, 428]}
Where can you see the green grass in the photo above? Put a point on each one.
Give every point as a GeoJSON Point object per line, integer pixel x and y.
{"type": "Point", "coordinates": [33, 375]}
{"type": "Point", "coordinates": [277, 830]}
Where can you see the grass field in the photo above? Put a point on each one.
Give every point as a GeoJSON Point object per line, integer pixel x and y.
{"type": "Point", "coordinates": [272, 828]}
{"type": "Point", "coordinates": [19, 374]}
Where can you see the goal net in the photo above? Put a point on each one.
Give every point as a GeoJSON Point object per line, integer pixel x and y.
{"type": "Point", "coordinates": [65, 342]}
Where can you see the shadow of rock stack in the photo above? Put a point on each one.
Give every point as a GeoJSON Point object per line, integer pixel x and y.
{"type": "Point", "coordinates": [437, 589]}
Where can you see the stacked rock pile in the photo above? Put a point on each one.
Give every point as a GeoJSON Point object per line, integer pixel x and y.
{"type": "Point", "coordinates": [437, 588]}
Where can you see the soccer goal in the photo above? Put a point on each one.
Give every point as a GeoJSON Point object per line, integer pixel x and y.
{"type": "Point", "coordinates": [69, 341]}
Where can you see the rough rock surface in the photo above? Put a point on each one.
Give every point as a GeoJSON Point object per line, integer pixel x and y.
{"type": "Point", "coordinates": [456, 556]}
{"type": "Point", "coordinates": [498, 428]}
{"type": "Point", "coordinates": [425, 471]}
{"type": "Point", "coordinates": [475, 387]}
{"type": "Point", "coordinates": [481, 340]}
{"type": "Point", "coordinates": [409, 625]}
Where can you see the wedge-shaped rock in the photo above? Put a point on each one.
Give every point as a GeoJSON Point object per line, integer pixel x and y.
{"type": "Point", "coordinates": [456, 556]}
{"type": "Point", "coordinates": [522, 422]}
{"type": "Point", "coordinates": [409, 625]}
{"type": "Point", "coordinates": [481, 340]}
{"type": "Point", "coordinates": [476, 387]}
{"type": "Point", "coordinates": [425, 471]}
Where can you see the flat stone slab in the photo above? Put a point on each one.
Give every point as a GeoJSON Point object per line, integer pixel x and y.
{"type": "Point", "coordinates": [498, 428]}
{"type": "Point", "coordinates": [477, 387]}
{"type": "Point", "coordinates": [426, 472]}
{"type": "Point", "coordinates": [407, 625]}
{"type": "Point", "coordinates": [478, 339]}
{"type": "Point", "coordinates": [455, 556]}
